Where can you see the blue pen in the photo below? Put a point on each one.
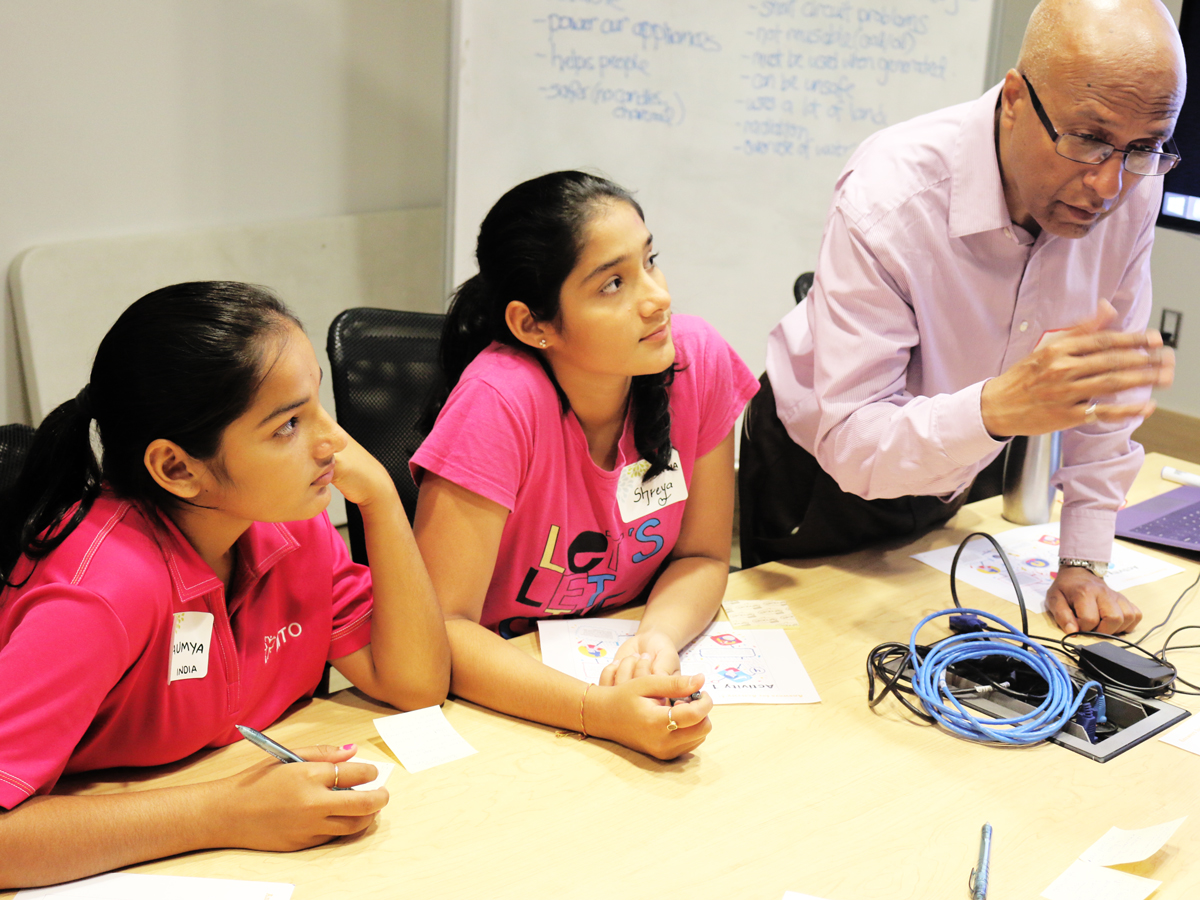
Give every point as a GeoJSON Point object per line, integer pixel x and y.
{"type": "Point", "coordinates": [979, 875]}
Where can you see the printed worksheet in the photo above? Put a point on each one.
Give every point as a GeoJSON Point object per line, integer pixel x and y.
{"type": "Point", "coordinates": [738, 666]}
{"type": "Point", "coordinates": [1032, 552]}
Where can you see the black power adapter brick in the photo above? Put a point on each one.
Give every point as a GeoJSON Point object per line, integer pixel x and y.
{"type": "Point", "coordinates": [1124, 668]}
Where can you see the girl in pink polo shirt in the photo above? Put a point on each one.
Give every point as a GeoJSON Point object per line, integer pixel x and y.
{"type": "Point", "coordinates": [190, 580]}
{"type": "Point", "coordinates": [582, 460]}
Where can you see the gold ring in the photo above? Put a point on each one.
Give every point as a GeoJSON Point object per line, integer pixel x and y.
{"type": "Point", "coordinates": [671, 723]}
{"type": "Point", "coordinates": [335, 776]}
{"type": "Point", "coordinates": [1089, 414]}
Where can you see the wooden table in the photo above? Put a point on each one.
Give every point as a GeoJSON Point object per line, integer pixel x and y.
{"type": "Point", "coordinates": [832, 799]}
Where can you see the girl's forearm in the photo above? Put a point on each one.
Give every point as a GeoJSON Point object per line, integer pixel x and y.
{"type": "Point", "coordinates": [490, 671]}
{"type": "Point", "coordinates": [50, 839]}
{"type": "Point", "coordinates": [686, 598]}
{"type": "Point", "coordinates": [409, 649]}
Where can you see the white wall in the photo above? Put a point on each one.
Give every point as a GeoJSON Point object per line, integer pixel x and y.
{"type": "Point", "coordinates": [134, 116]}
{"type": "Point", "coordinates": [131, 116]}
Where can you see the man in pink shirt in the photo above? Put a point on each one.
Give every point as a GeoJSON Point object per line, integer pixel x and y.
{"type": "Point", "coordinates": [984, 273]}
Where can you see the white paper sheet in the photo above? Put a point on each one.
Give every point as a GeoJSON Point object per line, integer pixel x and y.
{"type": "Point", "coordinates": [792, 895]}
{"type": "Point", "coordinates": [1033, 553]}
{"type": "Point", "coordinates": [738, 667]}
{"type": "Point", "coordinates": [422, 739]}
{"type": "Point", "coordinates": [384, 768]}
{"type": "Point", "coordinates": [1119, 846]}
{"type": "Point", "coordinates": [1185, 736]}
{"type": "Point", "coordinates": [1087, 881]}
{"type": "Point", "coordinates": [759, 614]}
{"type": "Point", "coordinates": [128, 886]}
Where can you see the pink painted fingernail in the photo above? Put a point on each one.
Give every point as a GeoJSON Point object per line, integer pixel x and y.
{"type": "Point", "coordinates": [347, 746]}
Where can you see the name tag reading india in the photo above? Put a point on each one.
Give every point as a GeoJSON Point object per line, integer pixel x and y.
{"type": "Point", "coordinates": [637, 498]}
{"type": "Point", "coordinates": [191, 639]}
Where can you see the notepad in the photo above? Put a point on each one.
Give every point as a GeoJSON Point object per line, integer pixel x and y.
{"type": "Point", "coordinates": [1088, 878]}
{"type": "Point", "coordinates": [383, 768]}
{"type": "Point", "coordinates": [128, 886]}
{"type": "Point", "coordinates": [422, 739]}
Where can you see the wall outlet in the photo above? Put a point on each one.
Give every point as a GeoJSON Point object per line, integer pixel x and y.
{"type": "Point", "coordinates": [1168, 326]}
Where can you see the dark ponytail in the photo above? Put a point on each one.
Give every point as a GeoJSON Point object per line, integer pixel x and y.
{"type": "Point", "coordinates": [528, 244]}
{"type": "Point", "coordinates": [180, 364]}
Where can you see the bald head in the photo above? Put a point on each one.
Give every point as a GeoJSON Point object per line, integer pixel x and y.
{"type": "Point", "coordinates": [1127, 49]}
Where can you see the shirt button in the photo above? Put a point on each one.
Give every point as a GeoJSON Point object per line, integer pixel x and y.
{"type": "Point", "coordinates": [1024, 326]}
{"type": "Point", "coordinates": [1008, 233]}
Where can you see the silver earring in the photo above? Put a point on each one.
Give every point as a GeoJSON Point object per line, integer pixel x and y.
{"type": "Point", "coordinates": [542, 342]}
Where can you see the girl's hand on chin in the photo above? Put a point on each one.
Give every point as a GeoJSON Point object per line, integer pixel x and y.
{"type": "Point", "coordinates": [360, 476]}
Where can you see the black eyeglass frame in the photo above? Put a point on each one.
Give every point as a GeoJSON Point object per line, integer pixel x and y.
{"type": "Point", "coordinates": [1171, 154]}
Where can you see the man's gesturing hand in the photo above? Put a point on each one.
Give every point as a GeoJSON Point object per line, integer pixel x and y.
{"type": "Point", "coordinates": [1053, 387]}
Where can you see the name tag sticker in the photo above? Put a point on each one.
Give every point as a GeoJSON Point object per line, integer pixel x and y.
{"type": "Point", "coordinates": [637, 498]}
{"type": "Point", "coordinates": [191, 640]}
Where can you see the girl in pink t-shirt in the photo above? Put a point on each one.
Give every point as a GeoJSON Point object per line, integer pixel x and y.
{"type": "Point", "coordinates": [188, 581]}
{"type": "Point", "coordinates": [582, 459]}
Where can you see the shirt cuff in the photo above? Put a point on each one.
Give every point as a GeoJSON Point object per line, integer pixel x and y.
{"type": "Point", "coordinates": [1087, 534]}
{"type": "Point", "coordinates": [960, 427]}
{"type": "Point", "coordinates": [13, 790]}
{"type": "Point", "coordinates": [352, 636]}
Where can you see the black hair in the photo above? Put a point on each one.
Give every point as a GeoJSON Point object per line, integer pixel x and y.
{"type": "Point", "coordinates": [180, 364]}
{"type": "Point", "coordinates": [528, 244]}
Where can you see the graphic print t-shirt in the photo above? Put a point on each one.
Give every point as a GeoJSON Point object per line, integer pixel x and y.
{"type": "Point", "coordinates": [565, 549]}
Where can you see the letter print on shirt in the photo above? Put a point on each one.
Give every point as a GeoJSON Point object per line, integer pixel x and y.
{"type": "Point", "coordinates": [191, 640]}
{"type": "Point", "coordinates": [273, 643]}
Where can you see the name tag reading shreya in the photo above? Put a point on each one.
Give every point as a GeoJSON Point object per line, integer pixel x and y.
{"type": "Point", "coordinates": [191, 639]}
{"type": "Point", "coordinates": [637, 498]}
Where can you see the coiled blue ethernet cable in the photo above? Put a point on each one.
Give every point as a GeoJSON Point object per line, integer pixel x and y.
{"type": "Point", "coordinates": [1039, 724]}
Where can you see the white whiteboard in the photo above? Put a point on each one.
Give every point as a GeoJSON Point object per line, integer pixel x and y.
{"type": "Point", "coordinates": [729, 119]}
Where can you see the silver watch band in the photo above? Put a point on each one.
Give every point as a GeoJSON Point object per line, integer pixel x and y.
{"type": "Point", "coordinates": [1099, 569]}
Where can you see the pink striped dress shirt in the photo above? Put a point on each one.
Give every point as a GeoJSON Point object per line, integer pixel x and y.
{"type": "Point", "coordinates": [925, 289]}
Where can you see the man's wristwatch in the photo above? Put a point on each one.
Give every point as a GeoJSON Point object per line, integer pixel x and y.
{"type": "Point", "coordinates": [1099, 569]}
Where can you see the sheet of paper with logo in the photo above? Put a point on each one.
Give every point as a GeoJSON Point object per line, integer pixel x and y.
{"type": "Point", "coordinates": [759, 614]}
{"type": "Point", "coordinates": [128, 886]}
{"type": "Point", "coordinates": [738, 667]}
{"type": "Point", "coordinates": [1032, 552]}
{"type": "Point", "coordinates": [422, 739]}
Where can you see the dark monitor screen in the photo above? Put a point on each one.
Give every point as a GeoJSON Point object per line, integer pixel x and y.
{"type": "Point", "coordinates": [1181, 187]}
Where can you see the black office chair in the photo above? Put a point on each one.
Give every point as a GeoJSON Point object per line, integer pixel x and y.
{"type": "Point", "coordinates": [15, 441]}
{"type": "Point", "coordinates": [384, 364]}
{"type": "Point", "coordinates": [802, 286]}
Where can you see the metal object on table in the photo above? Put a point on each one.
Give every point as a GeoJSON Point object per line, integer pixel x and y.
{"type": "Point", "coordinates": [1029, 467]}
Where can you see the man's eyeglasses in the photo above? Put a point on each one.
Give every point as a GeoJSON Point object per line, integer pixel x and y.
{"type": "Point", "coordinates": [1090, 151]}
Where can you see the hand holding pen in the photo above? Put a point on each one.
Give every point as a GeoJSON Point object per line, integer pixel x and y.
{"type": "Point", "coordinates": [284, 755]}
{"type": "Point", "coordinates": [288, 807]}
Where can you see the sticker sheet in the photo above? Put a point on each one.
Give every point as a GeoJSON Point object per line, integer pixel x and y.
{"type": "Point", "coordinates": [758, 666]}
